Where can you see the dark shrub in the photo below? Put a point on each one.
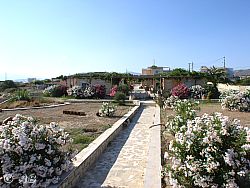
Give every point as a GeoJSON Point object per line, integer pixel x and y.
{"type": "Point", "coordinates": [22, 95]}
{"type": "Point", "coordinates": [100, 91]}
{"type": "Point", "coordinates": [120, 98]}
{"type": "Point", "coordinates": [124, 88]}
{"type": "Point", "coordinates": [212, 92]}
{"type": "Point", "coordinates": [7, 84]}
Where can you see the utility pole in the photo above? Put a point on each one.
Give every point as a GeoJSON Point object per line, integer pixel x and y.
{"type": "Point", "coordinates": [224, 62]}
{"type": "Point", "coordinates": [192, 66]}
{"type": "Point", "coordinates": [189, 67]}
{"type": "Point", "coordinates": [5, 76]}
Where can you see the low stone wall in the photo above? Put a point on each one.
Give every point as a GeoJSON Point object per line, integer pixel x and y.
{"type": "Point", "coordinates": [37, 107]}
{"type": "Point", "coordinates": [153, 169]}
{"type": "Point", "coordinates": [89, 155]}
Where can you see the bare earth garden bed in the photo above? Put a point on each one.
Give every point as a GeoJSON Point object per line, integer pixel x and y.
{"type": "Point", "coordinates": [210, 108]}
{"type": "Point", "coordinates": [83, 129]}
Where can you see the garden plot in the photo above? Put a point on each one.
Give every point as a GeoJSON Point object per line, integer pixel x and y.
{"type": "Point", "coordinates": [210, 108]}
{"type": "Point", "coordinates": [83, 129]}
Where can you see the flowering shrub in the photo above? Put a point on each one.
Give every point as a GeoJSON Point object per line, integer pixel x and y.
{"type": "Point", "coordinates": [124, 88]}
{"type": "Point", "coordinates": [181, 91]}
{"type": "Point", "coordinates": [170, 101]}
{"type": "Point", "coordinates": [209, 151]}
{"type": "Point", "coordinates": [236, 101]}
{"type": "Point", "coordinates": [113, 91]}
{"type": "Point", "coordinates": [107, 109]}
{"type": "Point", "coordinates": [34, 151]}
{"type": "Point", "coordinates": [185, 110]}
{"type": "Point", "coordinates": [100, 91]}
{"type": "Point", "coordinates": [80, 92]}
{"type": "Point", "coordinates": [55, 91]}
{"type": "Point", "coordinates": [75, 91]}
{"type": "Point", "coordinates": [196, 91]}
{"type": "Point", "coordinates": [226, 93]}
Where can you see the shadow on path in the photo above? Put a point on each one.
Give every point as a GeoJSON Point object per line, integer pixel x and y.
{"type": "Point", "coordinates": [97, 173]}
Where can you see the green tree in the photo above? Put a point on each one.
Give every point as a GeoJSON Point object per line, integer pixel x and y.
{"type": "Point", "coordinates": [216, 75]}
{"type": "Point", "coordinates": [7, 84]}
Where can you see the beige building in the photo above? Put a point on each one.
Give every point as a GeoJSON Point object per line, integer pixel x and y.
{"type": "Point", "coordinates": [154, 70]}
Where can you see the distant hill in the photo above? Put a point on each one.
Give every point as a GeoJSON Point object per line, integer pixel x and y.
{"type": "Point", "coordinates": [21, 80]}
{"type": "Point", "coordinates": [243, 72]}
{"type": "Point", "coordinates": [134, 73]}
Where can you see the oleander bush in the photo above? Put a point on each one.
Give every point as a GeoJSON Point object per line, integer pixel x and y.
{"type": "Point", "coordinates": [32, 155]}
{"type": "Point", "coordinates": [196, 91]}
{"type": "Point", "coordinates": [184, 110]}
{"type": "Point", "coordinates": [80, 93]}
{"type": "Point", "coordinates": [236, 101]}
{"type": "Point", "coordinates": [107, 109]}
{"type": "Point", "coordinates": [181, 91]}
{"type": "Point", "coordinates": [55, 91]}
{"type": "Point", "coordinates": [207, 151]}
{"type": "Point", "coordinates": [113, 91]}
{"type": "Point", "coordinates": [170, 101]}
{"type": "Point", "coordinates": [100, 91]}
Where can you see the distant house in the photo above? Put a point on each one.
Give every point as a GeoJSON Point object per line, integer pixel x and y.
{"type": "Point", "coordinates": [242, 74]}
{"type": "Point", "coordinates": [154, 70]}
{"type": "Point", "coordinates": [228, 71]}
{"type": "Point", "coordinates": [203, 69]}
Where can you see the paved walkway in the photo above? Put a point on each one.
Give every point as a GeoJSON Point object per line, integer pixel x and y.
{"type": "Point", "coordinates": [124, 162]}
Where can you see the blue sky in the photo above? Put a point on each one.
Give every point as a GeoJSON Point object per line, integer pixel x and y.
{"type": "Point", "coordinates": [47, 38]}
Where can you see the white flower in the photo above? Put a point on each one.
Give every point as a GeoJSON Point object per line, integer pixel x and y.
{"type": "Point", "coordinates": [40, 146]}
{"type": "Point", "coordinates": [55, 180]}
{"type": "Point", "coordinates": [47, 162]}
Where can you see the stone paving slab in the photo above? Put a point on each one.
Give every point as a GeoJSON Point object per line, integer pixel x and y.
{"type": "Point", "coordinates": [124, 162]}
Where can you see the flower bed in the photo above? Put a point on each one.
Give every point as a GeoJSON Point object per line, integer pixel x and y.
{"type": "Point", "coordinates": [236, 101]}
{"type": "Point", "coordinates": [32, 155]}
{"type": "Point", "coordinates": [96, 91]}
{"type": "Point", "coordinates": [207, 151]}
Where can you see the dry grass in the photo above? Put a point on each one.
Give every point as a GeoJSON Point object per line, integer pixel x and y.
{"type": "Point", "coordinates": [41, 101]}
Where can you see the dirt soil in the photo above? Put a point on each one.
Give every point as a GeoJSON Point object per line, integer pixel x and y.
{"type": "Point", "coordinates": [91, 120]}
{"type": "Point", "coordinates": [210, 108]}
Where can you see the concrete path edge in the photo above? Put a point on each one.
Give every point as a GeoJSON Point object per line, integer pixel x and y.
{"type": "Point", "coordinates": [153, 168]}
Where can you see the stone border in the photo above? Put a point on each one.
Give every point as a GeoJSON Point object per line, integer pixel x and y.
{"type": "Point", "coordinates": [98, 101]}
{"type": "Point", "coordinates": [89, 155]}
{"type": "Point", "coordinates": [153, 169]}
{"type": "Point", "coordinates": [5, 101]}
{"type": "Point", "coordinates": [37, 107]}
